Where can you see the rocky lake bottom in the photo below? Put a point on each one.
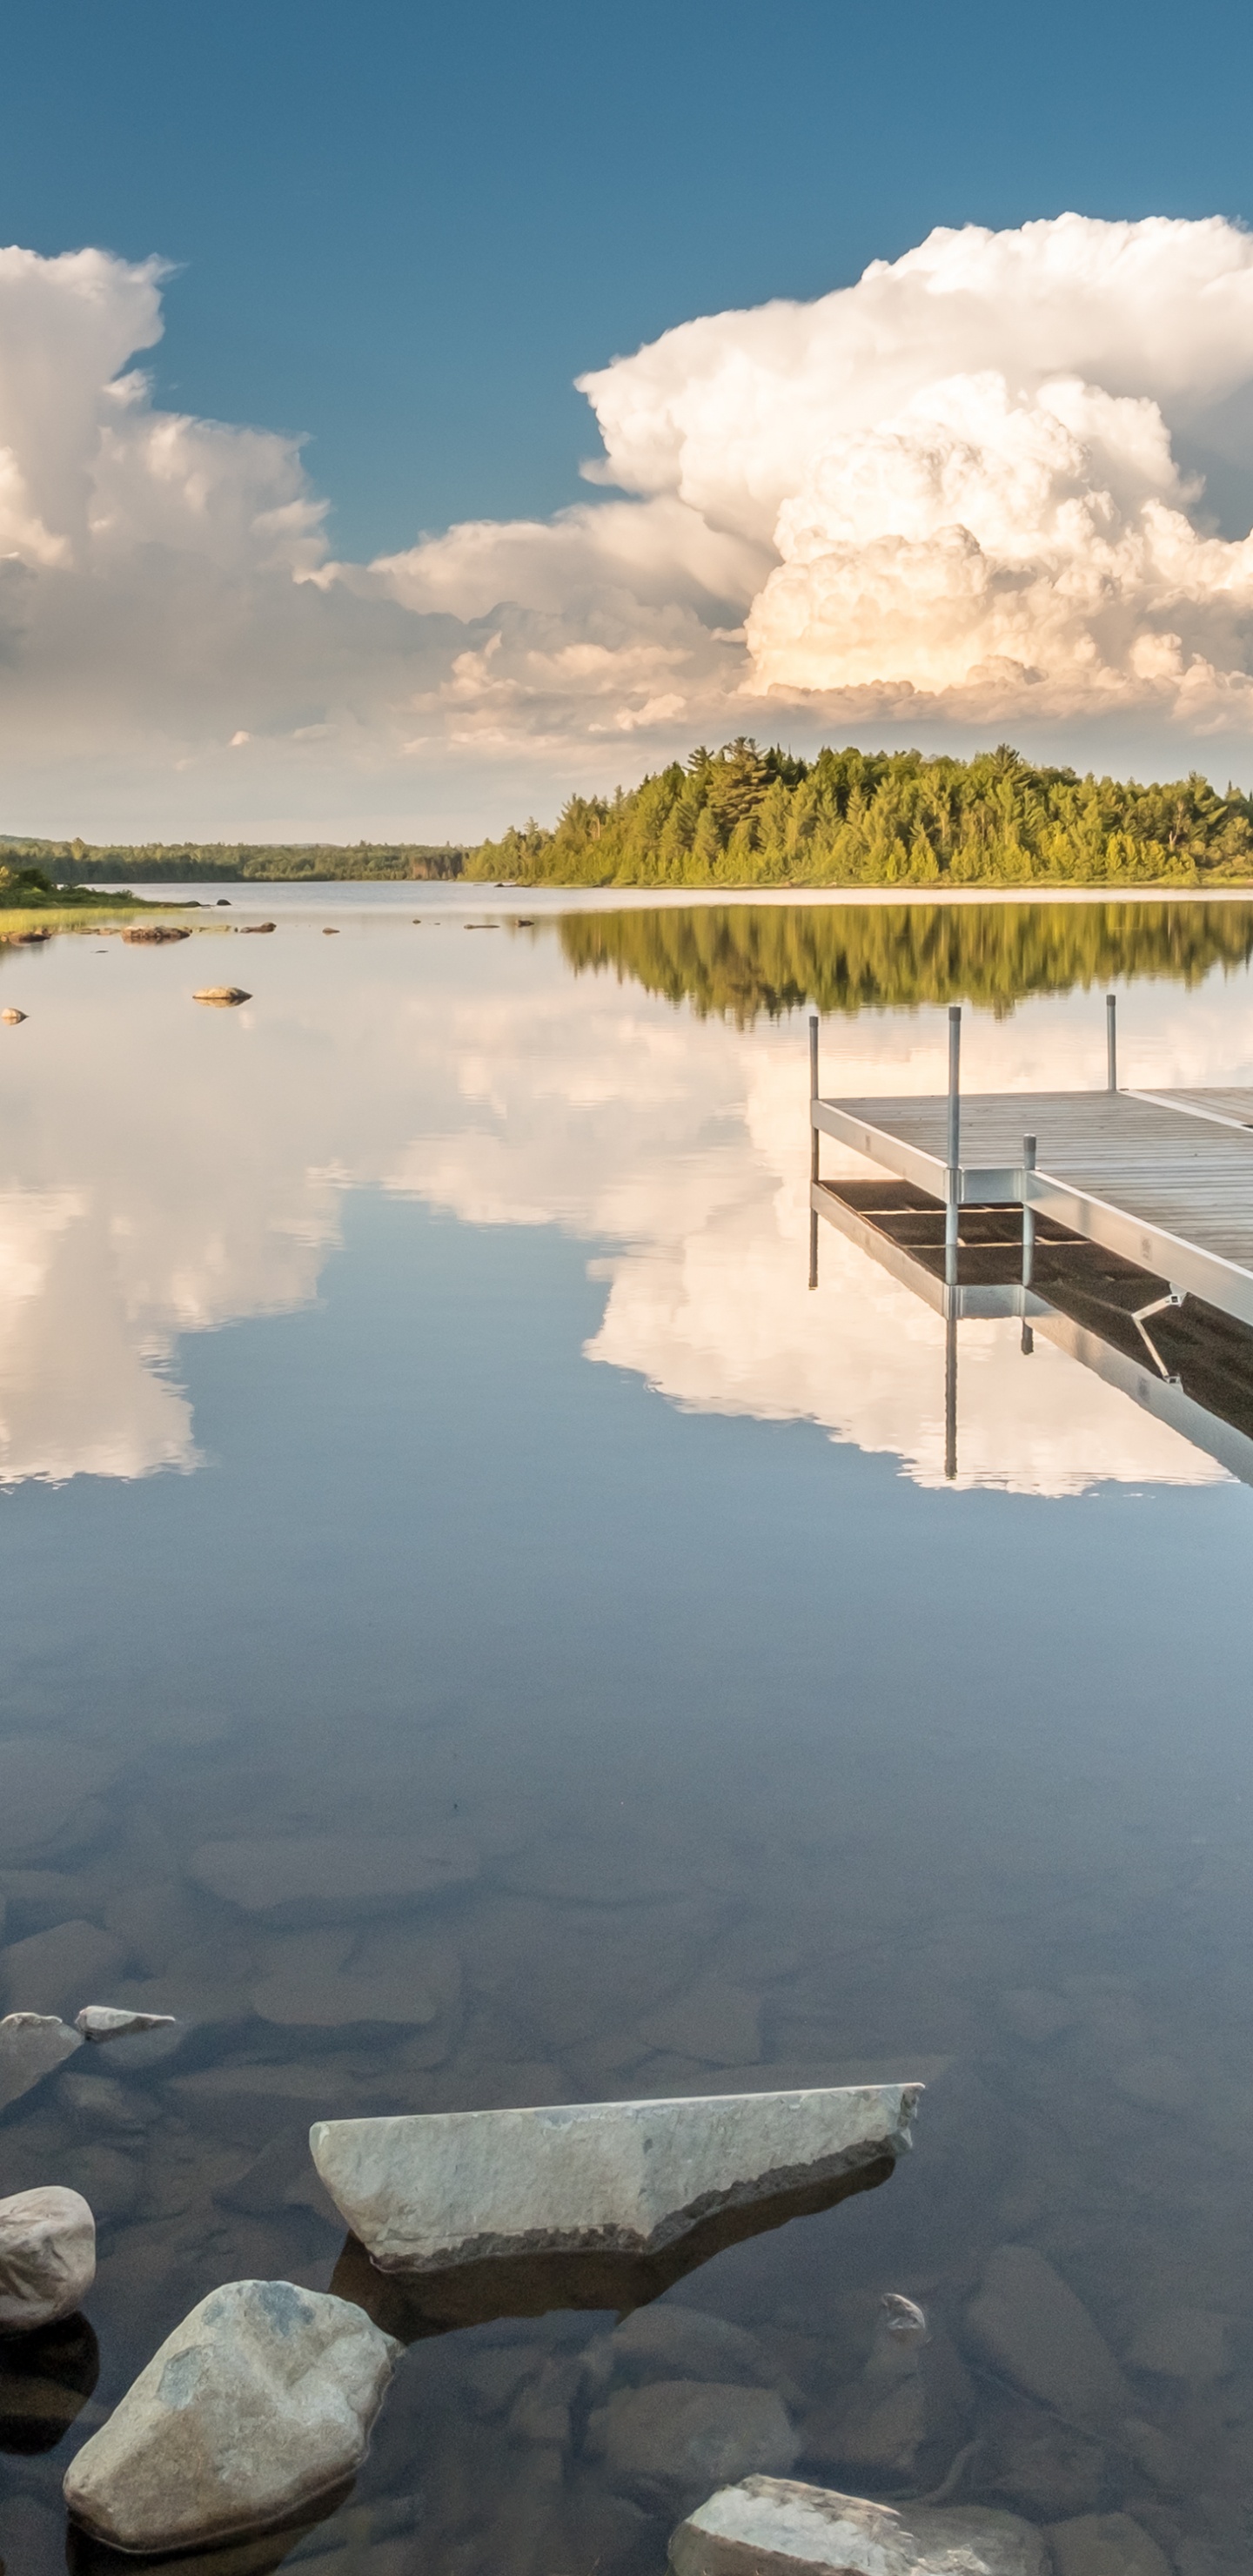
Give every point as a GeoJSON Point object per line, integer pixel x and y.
{"type": "Point", "coordinates": [480, 1632]}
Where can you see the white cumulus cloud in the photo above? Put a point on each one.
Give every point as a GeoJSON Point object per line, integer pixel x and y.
{"type": "Point", "coordinates": [1004, 480]}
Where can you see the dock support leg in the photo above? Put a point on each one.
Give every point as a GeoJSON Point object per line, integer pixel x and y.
{"type": "Point", "coordinates": [952, 1174]}
{"type": "Point", "coordinates": [813, 1147]}
{"type": "Point", "coordinates": [1028, 1239]}
{"type": "Point", "coordinates": [1111, 1041]}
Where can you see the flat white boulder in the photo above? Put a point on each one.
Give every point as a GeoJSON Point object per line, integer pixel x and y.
{"type": "Point", "coordinates": [47, 2257]}
{"type": "Point", "coordinates": [259, 2402]}
{"type": "Point", "coordinates": [113, 2021]}
{"type": "Point", "coordinates": [31, 2044]}
{"type": "Point", "coordinates": [428, 2191]}
{"type": "Point", "coordinates": [778, 2525]}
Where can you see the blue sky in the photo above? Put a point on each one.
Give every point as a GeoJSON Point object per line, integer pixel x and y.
{"type": "Point", "coordinates": [395, 236]}
{"type": "Point", "coordinates": [405, 230]}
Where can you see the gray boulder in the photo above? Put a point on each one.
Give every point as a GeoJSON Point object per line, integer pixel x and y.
{"type": "Point", "coordinates": [426, 2192]}
{"type": "Point", "coordinates": [47, 2257]}
{"type": "Point", "coordinates": [776, 2524]}
{"type": "Point", "coordinates": [31, 2044]}
{"type": "Point", "coordinates": [259, 2402]}
{"type": "Point", "coordinates": [662, 2445]}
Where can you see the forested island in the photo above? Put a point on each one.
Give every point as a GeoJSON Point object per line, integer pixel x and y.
{"type": "Point", "coordinates": [744, 817]}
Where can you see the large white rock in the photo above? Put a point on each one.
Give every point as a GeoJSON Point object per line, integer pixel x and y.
{"type": "Point", "coordinates": [31, 2044]}
{"type": "Point", "coordinates": [427, 2191]}
{"type": "Point", "coordinates": [259, 2402]}
{"type": "Point", "coordinates": [47, 2257]}
{"type": "Point", "coordinates": [779, 2526]}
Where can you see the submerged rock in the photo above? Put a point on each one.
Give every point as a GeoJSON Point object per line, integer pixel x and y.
{"type": "Point", "coordinates": [151, 934]}
{"type": "Point", "coordinates": [318, 1878]}
{"type": "Point", "coordinates": [777, 2524]}
{"type": "Point", "coordinates": [430, 2191]}
{"type": "Point", "coordinates": [223, 996]}
{"type": "Point", "coordinates": [31, 2044]}
{"type": "Point", "coordinates": [113, 2021]}
{"type": "Point", "coordinates": [259, 2402]}
{"type": "Point", "coordinates": [47, 1972]}
{"type": "Point", "coordinates": [45, 2381]}
{"type": "Point", "coordinates": [662, 2445]}
{"type": "Point", "coordinates": [673, 2342]}
{"type": "Point", "coordinates": [47, 2257]}
{"type": "Point", "coordinates": [1030, 2325]}
{"type": "Point", "coordinates": [1105, 2544]}
{"type": "Point", "coordinates": [12, 1017]}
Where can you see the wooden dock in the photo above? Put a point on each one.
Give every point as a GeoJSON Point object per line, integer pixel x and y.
{"type": "Point", "coordinates": [1163, 1179]}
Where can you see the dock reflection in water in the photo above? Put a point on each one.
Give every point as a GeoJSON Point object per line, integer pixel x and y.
{"type": "Point", "coordinates": [1183, 1361]}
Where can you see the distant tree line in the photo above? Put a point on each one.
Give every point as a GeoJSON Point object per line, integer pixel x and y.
{"type": "Point", "coordinates": [739, 961]}
{"type": "Point", "coordinates": [188, 862]}
{"type": "Point", "coordinates": [744, 817]}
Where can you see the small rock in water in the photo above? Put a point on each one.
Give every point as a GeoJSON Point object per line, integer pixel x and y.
{"type": "Point", "coordinates": [259, 2402]}
{"type": "Point", "coordinates": [903, 2319]}
{"type": "Point", "coordinates": [12, 1016]}
{"type": "Point", "coordinates": [257, 929]}
{"type": "Point", "coordinates": [47, 2257]}
{"type": "Point", "coordinates": [778, 2524]}
{"type": "Point", "coordinates": [222, 996]}
{"type": "Point", "coordinates": [31, 2044]}
{"type": "Point", "coordinates": [112, 2021]}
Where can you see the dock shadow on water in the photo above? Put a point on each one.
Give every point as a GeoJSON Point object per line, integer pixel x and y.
{"type": "Point", "coordinates": [446, 1680]}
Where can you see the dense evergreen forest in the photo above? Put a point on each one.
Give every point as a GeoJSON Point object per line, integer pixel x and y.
{"type": "Point", "coordinates": [191, 862]}
{"type": "Point", "coordinates": [736, 961]}
{"type": "Point", "coordinates": [744, 817]}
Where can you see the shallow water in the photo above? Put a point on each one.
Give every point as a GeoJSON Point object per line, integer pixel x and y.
{"type": "Point", "coordinates": [415, 1423]}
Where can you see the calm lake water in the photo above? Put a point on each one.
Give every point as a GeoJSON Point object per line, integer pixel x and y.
{"type": "Point", "coordinates": [416, 1429]}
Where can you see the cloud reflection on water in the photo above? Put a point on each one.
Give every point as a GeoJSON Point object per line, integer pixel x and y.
{"type": "Point", "coordinates": [165, 1174]}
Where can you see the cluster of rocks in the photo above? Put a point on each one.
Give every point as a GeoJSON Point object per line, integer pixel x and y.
{"type": "Point", "coordinates": [260, 2405]}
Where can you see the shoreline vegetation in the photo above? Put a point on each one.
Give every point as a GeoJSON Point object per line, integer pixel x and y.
{"type": "Point", "coordinates": [740, 817]}
{"type": "Point", "coordinates": [29, 901]}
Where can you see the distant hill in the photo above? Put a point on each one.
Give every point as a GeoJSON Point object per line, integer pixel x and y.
{"type": "Point", "coordinates": [265, 862]}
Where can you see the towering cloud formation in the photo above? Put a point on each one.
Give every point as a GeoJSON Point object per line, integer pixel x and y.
{"type": "Point", "coordinates": [1002, 479]}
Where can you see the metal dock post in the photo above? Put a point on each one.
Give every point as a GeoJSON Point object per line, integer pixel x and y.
{"type": "Point", "coordinates": [813, 1147]}
{"type": "Point", "coordinates": [1111, 1041]}
{"type": "Point", "coordinates": [952, 1174]}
